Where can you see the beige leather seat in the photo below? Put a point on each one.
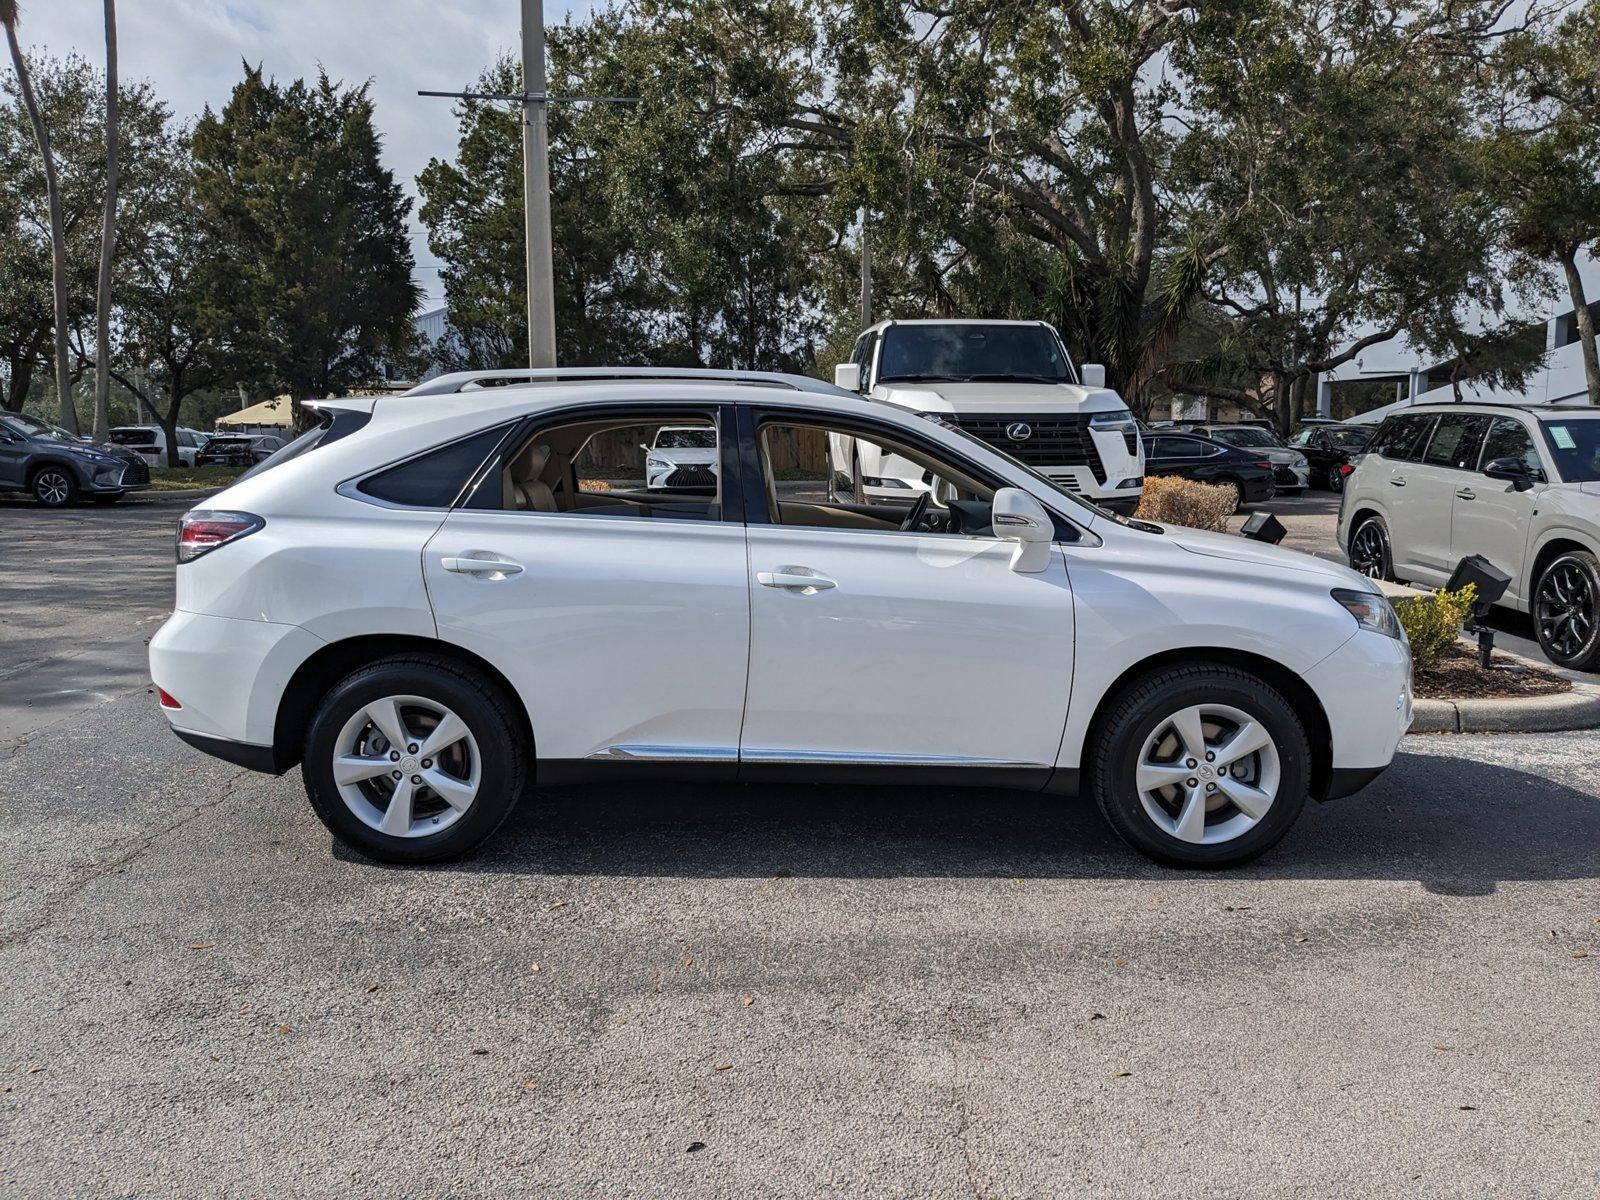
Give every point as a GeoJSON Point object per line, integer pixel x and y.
{"type": "Point", "coordinates": [528, 490]}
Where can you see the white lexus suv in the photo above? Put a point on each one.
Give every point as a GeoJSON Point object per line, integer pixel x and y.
{"type": "Point", "coordinates": [432, 602]}
{"type": "Point", "coordinates": [1517, 484]}
{"type": "Point", "coordinates": [1010, 384]}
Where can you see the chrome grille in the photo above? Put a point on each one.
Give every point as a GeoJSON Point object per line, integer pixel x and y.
{"type": "Point", "coordinates": [1053, 441]}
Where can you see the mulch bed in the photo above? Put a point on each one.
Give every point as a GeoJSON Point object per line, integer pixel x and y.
{"type": "Point", "coordinates": [1459, 677]}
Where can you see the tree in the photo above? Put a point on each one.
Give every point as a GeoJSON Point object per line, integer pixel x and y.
{"type": "Point", "coordinates": [314, 272]}
{"type": "Point", "coordinates": [174, 342]}
{"type": "Point", "coordinates": [108, 240]}
{"type": "Point", "coordinates": [1546, 157]}
{"type": "Point", "coordinates": [1336, 168]}
{"type": "Point", "coordinates": [58, 235]}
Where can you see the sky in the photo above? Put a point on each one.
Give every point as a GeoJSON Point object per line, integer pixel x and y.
{"type": "Point", "coordinates": [191, 50]}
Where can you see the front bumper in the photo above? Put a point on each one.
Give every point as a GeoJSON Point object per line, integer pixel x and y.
{"type": "Point", "coordinates": [1365, 690]}
{"type": "Point", "coordinates": [1289, 478]}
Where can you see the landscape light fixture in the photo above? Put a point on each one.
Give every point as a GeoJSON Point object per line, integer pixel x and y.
{"type": "Point", "coordinates": [1264, 527]}
{"type": "Point", "coordinates": [1491, 584]}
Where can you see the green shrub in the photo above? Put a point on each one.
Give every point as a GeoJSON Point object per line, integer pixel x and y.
{"type": "Point", "coordinates": [1434, 622]}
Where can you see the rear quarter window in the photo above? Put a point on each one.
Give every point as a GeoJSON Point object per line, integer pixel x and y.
{"type": "Point", "coordinates": [434, 478]}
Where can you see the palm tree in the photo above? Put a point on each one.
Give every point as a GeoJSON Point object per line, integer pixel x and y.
{"type": "Point", "coordinates": [58, 234]}
{"type": "Point", "coordinates": [108, 238]}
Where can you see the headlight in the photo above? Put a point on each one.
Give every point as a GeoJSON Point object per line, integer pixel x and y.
{"type": "Point", "coordinates": [656, 463]}
{"type": "Point", "coordinates": [1300, 460]}
{"type": "Point", "coordinates": [1114, 422]}
{"type": "Point", "coordinates": [1371, 610]}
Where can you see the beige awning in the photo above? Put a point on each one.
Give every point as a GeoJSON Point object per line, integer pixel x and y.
{"type": "Point", "coordinates": [277, 411]}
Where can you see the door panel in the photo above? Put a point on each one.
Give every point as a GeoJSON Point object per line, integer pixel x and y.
{"type": "Point", "coordinates": [625, 637]}
{"type": "Point", "coordinates": [1446, 468]}
{"type": "Point", "coordinates": [1492, 518]}
{"type": "Point", "coordinates": [906, 648]}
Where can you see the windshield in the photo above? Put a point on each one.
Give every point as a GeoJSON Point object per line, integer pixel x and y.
{"type": "Point", "coordinates": [959, 353]}
{"type": "Point", "coordinates": [1245, 436]}
{"type": "Point", "coordinates": [686, 439]}
{"type": "Point", "coordinates": [1576, 444]}
{"type": "Point", "coordinates": [28, 427]}
{"type": "Point", "coordinates": [1349, 439]}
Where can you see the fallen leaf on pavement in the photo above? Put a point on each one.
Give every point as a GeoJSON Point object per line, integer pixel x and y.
{"type": "Point", "coordinates": [1580, 954]}
{"type": "Point", "coordinates": [480, 1050]}
{"type": "Point", "coordinates": [535, 966]}
{"type": "Point", "coordinates": [1122, 1074]}
{"type": "Point", "coordinates": [748, 1001]}
{"type": "Point", "coordinates": [530, 1084]}
{"type": "Point", "coordinates": [1469, 1108]}
{"type": "Point", "coordinates": [1441, 1047]}
{"type": "Point", "coordinates": [1119, 962]}
{"type": "Point", "coordinates": [693, 1147]}
{"type": "Point", "coordinates": [202, 945]}
{"type": "Point", "coordinates": [688, 960]}
{"type": "Point", "coordinates": [369, 989]}
{"type": "Point", "coordinates": [555, 904]}
{"type": "Point", "coordinates": [1301, 940]}
{"type": "Point", "coordinates": [34, 1070]}
{"type": "Point", "coordinates": [1098, 1017]}
{"type": "Point", "coordinates": [284, 1030]}
{"type": "Point", "coordinates": [723, 1067]}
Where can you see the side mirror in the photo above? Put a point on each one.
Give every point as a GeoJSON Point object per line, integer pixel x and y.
{"type": "Point", "coordinates": [847, 376]}
{"type": "Point", "coordinates": [1018, 517]}
{"type": "Point", "coordinates": [1515, 470]}
{"type": "Point", "coordinates": [645, 448]}
{"type": "Point", "coordinates": [1094, 375]}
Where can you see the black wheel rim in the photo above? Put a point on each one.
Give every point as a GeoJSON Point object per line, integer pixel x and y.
{"type": "Point", "coordinates": [1369, 551]}
{"type": "Point", "coordinates": [1564, 609]}
{"type": "Point", "coordinates": [1335, 480]}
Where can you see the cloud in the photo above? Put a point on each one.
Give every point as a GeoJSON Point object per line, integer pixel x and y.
{"type": "Point", "coordinates": [191, 50]}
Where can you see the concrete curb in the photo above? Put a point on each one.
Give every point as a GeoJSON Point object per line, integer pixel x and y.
{"type": "Point", "coordinates": [1577, 709]}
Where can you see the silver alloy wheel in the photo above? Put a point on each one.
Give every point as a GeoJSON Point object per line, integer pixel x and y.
{"type": "Point", "coordinates": [1369, 551]}
{"type": "Point", "coordinates": [52, 487]}
{"type": "Point", "coordinates": [1208, 774]}
{"type": "Point", "coordinates": [1563, 609]}
{"type": "Point", "coordinates": [407, 766]}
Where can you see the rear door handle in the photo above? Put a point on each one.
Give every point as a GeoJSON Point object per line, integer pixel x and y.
{"type": "Point", "coordinates": [1397, 481]}
{"type": "Point", "coordinates": [795, 579]}
{"type": "Point", "coordinates": [1466, 494]}
{"type": "Point", "coordinates": [480, 563]}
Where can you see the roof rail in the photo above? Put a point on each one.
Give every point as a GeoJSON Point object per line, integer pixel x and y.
{"type": "Point", "coordinates": [467, 381]}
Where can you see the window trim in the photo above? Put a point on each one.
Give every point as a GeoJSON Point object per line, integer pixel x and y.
{"type": "Point", "coordinates": [351, 488]}
{"type": "Point", "coordinates": [731, 498]}
{"type": "Point", "coordinates": [1440, 419]}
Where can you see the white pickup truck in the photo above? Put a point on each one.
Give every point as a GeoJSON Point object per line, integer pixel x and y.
{"type": "Point", "coordinates": [1012, 385]}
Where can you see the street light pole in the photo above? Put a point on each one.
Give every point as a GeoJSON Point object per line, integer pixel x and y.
{"type": "Point", "coordinates": [536, 190]}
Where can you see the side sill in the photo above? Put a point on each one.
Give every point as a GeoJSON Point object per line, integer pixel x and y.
{"type": "Point", "coordinates": [559, 772]}
{"type": "Point", "coordinates": [241, 754]}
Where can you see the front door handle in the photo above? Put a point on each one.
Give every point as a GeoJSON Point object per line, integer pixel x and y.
{"type": "Point", "coordinates": [1466, 494]}
{"type": "Point", "coordinates": [1397, 481]}
{"type": "Point", "coordinates": [795, 579]}
{"type": "Point", "coordinates": [481, 562]}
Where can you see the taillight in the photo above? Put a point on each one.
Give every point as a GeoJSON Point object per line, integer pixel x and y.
{"type": "Point", "coordinates": [1345, 468]}
{"type": "Point", "coordinates": [167, 699]}
{"type": "Point", "coordinates": [203, 530]}
{"type": "Point", "coordinates": [1267, 465]}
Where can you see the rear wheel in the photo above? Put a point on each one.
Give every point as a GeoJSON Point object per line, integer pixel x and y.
{"type": "Point", "coordinates": [1335, 478]}
{"type": "Point", "coordinates": [1202, 766]}
{"type": "Point", "coordinates": [414, 760]}
{"type": "Point", "coordinates": [54, 487]}
{"type": "Point", "coordinates": [1370, 553]}
{"type": "Point", "coordinates": [1566, 611]}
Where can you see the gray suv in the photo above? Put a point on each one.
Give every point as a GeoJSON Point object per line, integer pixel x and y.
{"type": "Point", "coordinates": [57, 468]}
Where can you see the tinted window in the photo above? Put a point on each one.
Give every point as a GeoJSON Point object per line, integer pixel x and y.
{"type": "Point", "coordinates": [1348, 440]}
{"type": "Point", "coordinates": [1456, 441]}
{"type": "Point", "coordinates": [1303, 438]}
{"type": "Point", "coordinates": [434, 479]}
{"type": "Point", "coordinates": [1247, 435]}
{"type": "Point", "coordinates": [1509, 438]}
{"type": "Point", "coordinates": [1400, 438]}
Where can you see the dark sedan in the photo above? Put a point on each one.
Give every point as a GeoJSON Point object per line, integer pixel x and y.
{"type": "Point", "coordinates": [1330, 449]}
{"type": "Point", "coordinates": [1206, 461]}
{"type": "Point", "coordinates": [237, 450]}
{"type": "Point", "coordinates": [58, 468]}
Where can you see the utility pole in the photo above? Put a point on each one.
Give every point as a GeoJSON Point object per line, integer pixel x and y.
{"type": "Point", "coordinates": [535, 102]}
{"type": "Point", "coordinates": [536, 190]}
{"type": "Point", "coordinates": [866, 274]}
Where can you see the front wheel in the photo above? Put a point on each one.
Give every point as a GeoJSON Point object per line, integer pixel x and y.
{"type": "Point", "coordinates": [1200, 766]}
{"type": "Point", "coordinates": [54, 487]}
{"type": "Point", "coordinates": [414, 760]}
{"type": "Point", "coordinates": [1335, 478]}
{"type": "Point", "coordinates": [1370, 552]}
{"type": "Point", "coordinates": [1566, 611]}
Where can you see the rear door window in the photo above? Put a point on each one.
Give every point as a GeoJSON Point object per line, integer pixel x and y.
{"type": "Point", "coordinates": [1400, 438]}
{"type": "Point", "coordinates": [1456, 441]}
{"type": "Point", "coordinates": [434, 479]}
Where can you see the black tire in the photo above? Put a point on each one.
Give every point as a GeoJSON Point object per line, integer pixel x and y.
{"type": "Point", "coordinates": [1142, 709]}
{"type": "Point", "coordinates": [1566, 611]}
{"type": "Point", "coordinates": [487, 712]}
{"type": "Point", "coordinates": [1370, 552]}
{"type": "Point", "coordinates": [1335, 479]}
{"type": "Point", "coordinates": [53, 486]}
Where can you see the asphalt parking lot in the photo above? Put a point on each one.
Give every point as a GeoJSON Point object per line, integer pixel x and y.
{"type": "Point", "coordinates": [777, 991]}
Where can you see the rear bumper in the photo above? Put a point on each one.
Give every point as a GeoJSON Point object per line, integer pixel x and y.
{"type": "Point", "coordinates": [228, 675]}
{"type": "Point", "coordinates": [1347, 781]}
{"type": "Point", "coordinates": [240, 754]}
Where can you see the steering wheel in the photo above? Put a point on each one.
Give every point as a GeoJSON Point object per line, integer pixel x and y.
{"type": "Point", "coordinates": [918, 508]}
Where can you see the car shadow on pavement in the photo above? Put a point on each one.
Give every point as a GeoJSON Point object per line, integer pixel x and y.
{"type": "Point", "coordinates": [1455, 825]}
